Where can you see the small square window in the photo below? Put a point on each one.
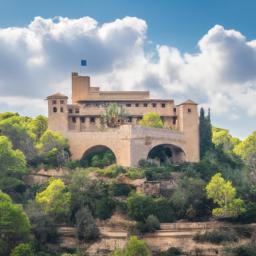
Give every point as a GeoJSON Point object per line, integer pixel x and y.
{"type": "Point", "coordinates": [62, 102]}
{"type": "Point", "coordinates": [92, 119]}
{"type": "Point", "coordinates": [128, 105]}
{"type": "Point", "coordinates": [61, 109]}
{"type": "Point", "coordinates": [77, 110]}
{"type": "Point", "coordinates": [137, 105]}
{"type": "Point", "coordinates": [163, 105]}
{"type": "Point", "coordinates": [54, 102]}
{"type": "Point", "coordinates": [145, 105]}
{"type": "Point", "coordinates": [189, 110]}
{"type": "Point", "coordinates": [154, 105]}
{"type": "Point", "coordinates": [54, 109]}
{"type": "Point", "coordinates": [73, 119]}
{"type": "Point", "coordinates": [82, 119]}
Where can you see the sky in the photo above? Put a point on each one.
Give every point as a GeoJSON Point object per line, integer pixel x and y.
{"type": "Point", "coordinates": [203, 50]}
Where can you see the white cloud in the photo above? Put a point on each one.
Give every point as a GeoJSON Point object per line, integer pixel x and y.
{"type": "Point", "coordinates": [37, 60]}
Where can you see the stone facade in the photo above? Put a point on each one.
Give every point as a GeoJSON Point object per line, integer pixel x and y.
{"type": "Point", "coordinates": [80, 123]}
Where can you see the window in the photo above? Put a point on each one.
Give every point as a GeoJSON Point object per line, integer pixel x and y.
{"type": "Point", "coordinates": [189, 110]}
{"type": "Point", "coordinates": [163, 105]}
{"type": "Point", "coordinates": [174, 120]}
{"type": "Point", "coordinates": [73, 119]}
{"type": "Point", "coordinates": [129, 119]}
{"type": "Point", "coordinates": [62, 102]}
{"type": "Point", "coordinates": [174, 110]}
{"type": "Point", "coordinates": [145, 105]}
{"type": "Point", "coordinates": [77, 110]}
{"type": "Point", "coordinates": [82, 119]}
{"type": "Point", "coordinates": [54, 102]}
{"type": "Point", "coordinates": [128, 105]}
{"type": "Point", "coordinates": [153, 105]}
{"type": "Point", "coordinates": [92, 119]}
{"type": "Point", "coordinates": [137, 105]}
{"type": "Point", "coordinates": [61, 109]}
{"type": "Point", "coordinates": [70, 110]}
{"type": "Point", "coordinates": [54, 109]}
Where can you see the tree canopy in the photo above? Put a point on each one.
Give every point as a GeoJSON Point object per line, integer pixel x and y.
{"type": "Point", "coordinates": [114, 115]}
{"type": "Point", "coordinates": [55, 199]}
{"type": "Point", "coordinates": [134, 247]}
{"type": "Point", "coordinates": [224, 195]}
{"type": "Point", "coordinates": [12, 165]}
{"type": "Point", "coordinates": [205, 131]}
{"type": "Point", "coordinates": [151, 119]}
{"type": "Point", "coordinates": [14, 224]}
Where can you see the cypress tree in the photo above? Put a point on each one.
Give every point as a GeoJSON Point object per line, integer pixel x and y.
{"type": "Point", "coordinates": [205, 130]}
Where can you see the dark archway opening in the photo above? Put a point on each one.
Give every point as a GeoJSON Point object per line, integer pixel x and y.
{"type": "Point", "coordinates": [166, 154]}
{"type": "Point", "coordinates": [98, 156]}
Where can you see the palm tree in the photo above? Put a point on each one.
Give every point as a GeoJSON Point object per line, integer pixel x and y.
{"type": "Point", "coordinates": [114, 115]}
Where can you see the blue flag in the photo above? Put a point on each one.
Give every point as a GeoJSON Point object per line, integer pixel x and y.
{"type": "Point", "coordinates": [83, 63]}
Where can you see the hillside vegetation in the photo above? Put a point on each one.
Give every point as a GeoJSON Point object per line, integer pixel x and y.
{"type": "Point", "coordinates": [221, 186]}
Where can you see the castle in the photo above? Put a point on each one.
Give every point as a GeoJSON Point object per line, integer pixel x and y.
{"type": "Point", "coordinates": [80, 123]}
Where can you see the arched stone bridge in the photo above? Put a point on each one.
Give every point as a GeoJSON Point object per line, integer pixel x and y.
{"type": "Point", "coordinates": [131, 143]}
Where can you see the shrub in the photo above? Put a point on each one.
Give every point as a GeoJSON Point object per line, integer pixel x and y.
{"type": "Point", "coordinates": [121, 189]}
{"type": "Point", "coordinates": [140, 206]}
{"type": "Point", "coordinates": [112, 171]}
{"type": "Point", "coordinates": [104, 207]}
{"type": "Point", "coordinates": [86, 227]}
{"type": "Point", "coordinates": [173, 251]}
{"type": "Point", "coordinates": [152, 223]}
{"type": "Point", "coordinates": [244, 231]}
{"type": "Point", "coordinates": [135, 173]}
{"type": "Point", "coordinates": [243, 250]}
{"type": "Point", "coordinates": [217, 236]}
{"type": "Point", "coordinates": [134, 247]}
{"type": "Point", "coordinates": [22, 250]}
{"type": "Point", "coordinates": [144, 163]}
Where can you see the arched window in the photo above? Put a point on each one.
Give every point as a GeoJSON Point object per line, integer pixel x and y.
{"type": "Point", "coordinates": [54, 109]}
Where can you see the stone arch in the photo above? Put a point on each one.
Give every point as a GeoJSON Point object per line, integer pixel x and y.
{"type": "Point", "coordinates": [167, 152]}
{"type": "Point", "coordinates": [97, 149]}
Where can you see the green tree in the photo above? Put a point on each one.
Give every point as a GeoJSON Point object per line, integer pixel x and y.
{"type": "Point", "coordinates": [221, 137]}
{"type": "Point", "coordinates": [247, 150]}
{"type": "Point", "coordinates": [205, 131]}
{"type": "Point", "coordinates": [22, 250]}
{"type": "Point", "coordinates": [189, 199]}
{"type": "Point", "coordinates": [224, 195]}
{"type": "Point", "coordinates": [14, 224]}
{"type": "Point", "coordinates": [140, 206]}
{"type": "Point", "coordinates": [86, 226]}
{"type": "Point", "coordinates": [152, 223]}
{"type": "Point", "coordinates": [53, 148]}
{"type": "Point", "coordinates": [90, 193]}
{"type": "Point", "coordinates": [16, 129]}
{"type": "Point", "coordinates": [136, 247]}
{"type": "Point", "coordinates": [114, 115]}
{"type": "Point", "coordinates": [55, 199]}
{"type": "Point", "coordinates": [12, 165]}
{"type": "Point", "coordinates": [38, 126]}
{"type": "Point", "coordinates": [151, 119]}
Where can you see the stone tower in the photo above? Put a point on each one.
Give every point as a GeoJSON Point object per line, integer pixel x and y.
{"type": "Point", "coordinates": [57, 112]}
{"type": "Point", "coordinates": [188, 124]}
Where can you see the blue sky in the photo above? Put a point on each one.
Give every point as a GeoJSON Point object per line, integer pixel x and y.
{"type": "Point", "coordinates": [177, 22]}
{"type": "Point", "coordinates": [172, 47]}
